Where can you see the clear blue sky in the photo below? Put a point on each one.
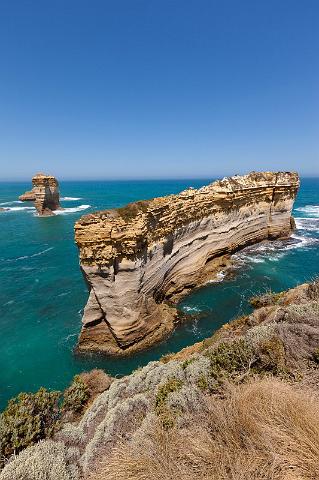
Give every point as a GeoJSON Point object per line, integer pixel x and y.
{"type": "Point", "coordinates": [155, 89]}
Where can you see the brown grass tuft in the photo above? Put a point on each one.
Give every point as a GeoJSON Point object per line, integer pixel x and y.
{"type": "Point", "coordinates": [263, 430]}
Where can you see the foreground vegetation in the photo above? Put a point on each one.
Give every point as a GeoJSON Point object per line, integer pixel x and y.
{"type": "Point", "coordinates": [242, 405]}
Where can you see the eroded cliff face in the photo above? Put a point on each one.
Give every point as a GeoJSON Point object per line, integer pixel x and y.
{"type": "Point", "coordinates": [137, 257]}
{"type": "Point", "coordinates": [44, 194]}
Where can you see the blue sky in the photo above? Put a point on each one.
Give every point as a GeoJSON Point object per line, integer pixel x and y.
{"type": "Point", "coordinates": [156, 89]}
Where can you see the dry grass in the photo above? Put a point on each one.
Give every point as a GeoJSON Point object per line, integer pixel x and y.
{"type": "Point", "coordinates": [265, 430]}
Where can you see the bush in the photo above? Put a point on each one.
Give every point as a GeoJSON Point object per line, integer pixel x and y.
{"type": "Point", "coordinates": [265, 299]}
{"type": "Point", "coordinates": [271, 357]}
{"type": "Point", "coordinates": [28, 418]}
{"type": "Point", "coordinates": [229, 358]}
{"type": "Point", "coordinates": [76, 396]}
{"type": "Point", "coordinates": [45, 461]}
{"type": "Point", "coordinates": [165, 414]}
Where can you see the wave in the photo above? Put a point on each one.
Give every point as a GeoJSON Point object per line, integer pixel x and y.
{"type": "Point", "coordinates": [70, 199]}
{"type": "Point", "coordinates": [10, 203]}
{"type": "Point", "coordinates": [18, 209]}
{"type": "Point", "coordinates": [30, 256]}
{"type": "Point", "coordinates": [309, 209]}
{"type": "Point", "coordinates": [273, 251]}
{"type": "Point", "coordinates": [66, 211]}
{"type": "Point", "coordinates": [310, 224]}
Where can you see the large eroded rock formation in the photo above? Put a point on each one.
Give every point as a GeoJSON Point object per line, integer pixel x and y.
{"type": "Point", "coordinates": [136, 257]}
{"type": "Point", "coordinates": [44, 194]}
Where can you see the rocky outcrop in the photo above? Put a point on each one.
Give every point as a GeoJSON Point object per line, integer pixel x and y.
{"type": "Point", "coordinates": [138, 257]}
{"type": "Point", "coordinates": [44, 194]}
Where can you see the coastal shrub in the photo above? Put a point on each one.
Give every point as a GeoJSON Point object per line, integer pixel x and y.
{"type": "Point", "coordinates": [120, 421]}
{"type": "Point", "coordinates": [28, 418]}
{"type": "Point", "coordinates": [229, 358]}
{"type": "Point", "coordinates": [271, 357]}
{"type": "Point", "coordinates": [166, 415]}
{"type": "Point", "coordinates": [265, 299]}
{"type": "Point", "coordinates": [76, 396]}
{"type": "Point", "coordinates": [261, 430]}
{"type": "Point", "coordinates": [45, 461]}
{"type": "Point", "coordinates": [187, 362]}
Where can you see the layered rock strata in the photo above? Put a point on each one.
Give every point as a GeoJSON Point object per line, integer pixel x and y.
{"type": "Point", "coordinates": [45, 194]}
{"type": "Point", "coordinates": [138, 257]}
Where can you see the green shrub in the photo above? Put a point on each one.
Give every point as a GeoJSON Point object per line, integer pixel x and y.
{"type": "Point", "coordinates": [165, 414]}
{"type": "Point", "coordinates": [265, 299]}
{"type": "Point", "coordinates": [202, 383]}
{"type": "Point", "coordinates": [229, 358]}
{"type": "Point", "coordinates": [28, 418]}
{"type": "Point", "coordinates": [187, 362]}
{"type": "Point", "coordinates": [76, 396]}
{"type": "Point", "coordinates": [271, 357]}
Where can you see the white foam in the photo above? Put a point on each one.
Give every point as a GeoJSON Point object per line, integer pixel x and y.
{"type": "Point", "coordinates": [18, 209]}
{"type": "Point", "coordinates": [70, 199]}
{"type": "Point", "coordinates": [312, 209]}
{"type": "Point", "coordinates": [10, 203]}
{"type": "Point", "coordinates": [310, 224]}
{"type": "Point", "coordinates": [30, 256]}
{"type": "Point", "coordinates": [273, 251]}
{"type": "Point", "coordinates": [190, 309]}
{"type": "Point", "coordinates": [255, 259]}
{"type": "Point", "coordinates": [66, 211]}
{"type": "Point", "coordinates": [219, 278]}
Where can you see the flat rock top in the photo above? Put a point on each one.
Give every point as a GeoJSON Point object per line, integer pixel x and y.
{"type": "Point", "coordinates": [226, 186]}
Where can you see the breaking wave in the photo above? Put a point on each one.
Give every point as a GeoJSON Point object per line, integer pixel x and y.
{"type": "Point", "coordinates": [66, 211]}
{"type": "Point", "coordinates": [10, 203]}
{"type": "Point", "coordinates": [309, 209]}
{"type": "Point", "coordinates": [310, 224]}
{"type": "Point", "coordinates": [18, 209]}
{"type": "Point", "coordinates": [70, 199]}
{"type": "Point", "coordinates": [218, 279]}
{"type": "Point", "coordinates": [275, 250]}
{"type": "Point", "coordinates": [30, 256]}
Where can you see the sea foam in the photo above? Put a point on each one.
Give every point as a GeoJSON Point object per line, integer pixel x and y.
{"type": "Point", "coordinates": [66, 211]}
{"type": "Point", "coordinates": [70, 199]}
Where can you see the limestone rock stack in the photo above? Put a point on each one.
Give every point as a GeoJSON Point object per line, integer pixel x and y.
{"type": "Point", "coordinates": [138, 257]}
{"type": "Point", "coordinates": [44, 194]}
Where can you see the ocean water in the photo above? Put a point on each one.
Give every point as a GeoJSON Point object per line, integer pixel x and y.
{"type": "Point", "coordinates": [42, 292]}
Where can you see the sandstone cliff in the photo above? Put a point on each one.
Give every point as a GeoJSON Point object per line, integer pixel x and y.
{"type": "Point", "coordinates": [134, 258]}
{"type": "Point", "coordinates": [44, 194]}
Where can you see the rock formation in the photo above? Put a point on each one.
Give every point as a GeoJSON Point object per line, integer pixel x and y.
{"type": "Point", "coordinates": [138, 257]}
{"type": "Point", "coordinates": [44, 194]}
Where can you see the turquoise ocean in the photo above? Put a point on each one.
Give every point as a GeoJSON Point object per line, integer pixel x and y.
{"type": "Point", "coordinates": [42, 291]}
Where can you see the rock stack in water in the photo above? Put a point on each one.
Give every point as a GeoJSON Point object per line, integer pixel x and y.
{"type": "Point", "coordinates": [44, 194]}
{"type": "Point", "coordinates": [137, 257]}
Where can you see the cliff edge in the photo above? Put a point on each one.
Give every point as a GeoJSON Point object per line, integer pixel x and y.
{"type": "Point", "coordinates": [137, 257]}
{"type": "Point", "coordinates": [45, 194]}
{"type": "Point", "coordinates": [242, 404]}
